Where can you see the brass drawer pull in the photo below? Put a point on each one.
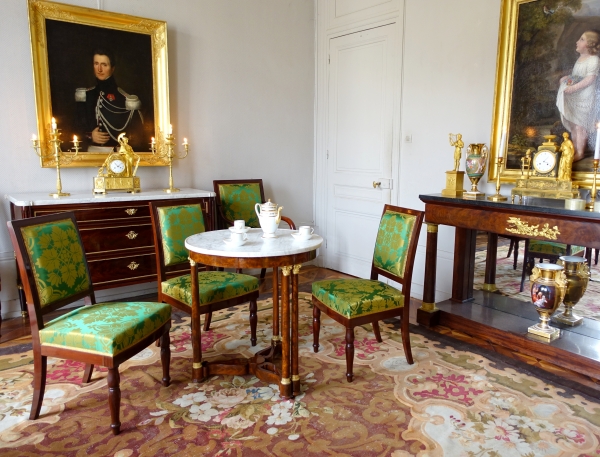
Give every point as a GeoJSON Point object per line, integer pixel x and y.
{"type": "Point", "coordinates": [131, 211]}
{"type": "Point", "coordinates": [131, 235]}
{"type": "Point", "coordinates": [132, 266]}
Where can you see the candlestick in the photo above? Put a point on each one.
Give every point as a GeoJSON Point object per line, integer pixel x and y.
{"type": "Point", "coordinates": [597, 150]}
{"type": "Point", "coordinates": [596, 163]}
{"type": "Point", "coordinates": [166, 151]}
{"type": "Point", "coordinates": [497, 197]}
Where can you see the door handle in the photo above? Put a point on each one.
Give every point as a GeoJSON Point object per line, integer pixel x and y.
{"type": "Point", "coordinates": [376, 184]}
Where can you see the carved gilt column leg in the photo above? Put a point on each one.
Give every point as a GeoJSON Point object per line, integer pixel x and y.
{"type": "Point", "coordinates": [295, 330]}
{"type": "Point", "coordinates": [285, 386]}
{"type": "Point", "coordinates": [427, 314]}
{"type": "Point", "coordinates": [196, 332]}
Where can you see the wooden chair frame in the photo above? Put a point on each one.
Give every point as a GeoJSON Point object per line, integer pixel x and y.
{"type": "Point", "coordinates": [403, 312]}
{"type": "Point", "coordinates": [36, 320]}
{"type": "Point", "coordinates": [167, 272]}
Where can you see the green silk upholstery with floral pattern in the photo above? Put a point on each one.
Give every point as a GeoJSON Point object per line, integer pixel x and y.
{"type": "Point", "coordinates": [393, 239]}
{"type": "Point", "coordinates": [105, 328]}
{"type": "Point", "coordinates": [57, 260]}
{"type": "Point", "coordinates": [357, 297]}
{"type": "Point", "coordinates": [176, 224]}
{"type": "Point", "coordinates": [551, 248]}
{"type": "Point", "coordinates": [214, 286]}
{"type": "Point", "coordinates": [238, 202]}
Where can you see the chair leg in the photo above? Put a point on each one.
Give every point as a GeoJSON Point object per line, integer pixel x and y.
{"type": "Point", "coordinates": [253, 321]}
{"type": "Point", "coordinates": [525, 264]}
{"type": "Point", "coordinates": [114, 398]}
{"type": "Point", "coordinates": [207, 320]}
{"type": "Point", "coordinates": [596, 258]}
{"type": "Point", "coordinates": [516, 255]}
{"type": "Point", "coordinates": [87, 374]}
{"type": "Point", "coordinates": [39, 384]}
{"type": "Point", "coordinates": [376, 331]}
{"type": "Point", "coordinates": [510, 248]}
{"type": "Point", "coordinates": [263, 272]}
{"type": "Point", "coordinates": [406, 340]}
{"type": "Point", "coordinates": [349, 353]}
{"type": "Point", "coordinates": [165, 357]}
{"type": "Point", "coordinates": [316, 328]}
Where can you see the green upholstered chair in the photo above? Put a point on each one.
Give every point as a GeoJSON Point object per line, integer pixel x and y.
{"type": "Point", "coordinates": [547, 250]}
{"type": "Point", "coordinates": [55, 273]}
{"type": "Point", "coordinates": [353, 302]}
{"type": "Point", "coordinates": [236, 200]}
{"type": "Point", "coordinates": [171, 225]}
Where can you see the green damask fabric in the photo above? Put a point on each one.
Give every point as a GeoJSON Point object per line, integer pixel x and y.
{"type": "Point", "coordinates": [105, 328]}
{"type": "Point", "coordinates": [393, 239]}
{"type": "Point", "coordinates": [214, 286]}
{"type": "Point", "coordinates": [357, 297]}
{"type": "Point", "coordinates": [549, 247]}
{"type": "Point", "coordinates": [57, 260]}
{"type": "Point", "coordinates": [238, 202]}
{"type": "Point", "coordinates": [176, 224]}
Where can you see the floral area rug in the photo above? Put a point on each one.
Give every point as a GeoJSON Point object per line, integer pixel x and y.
{"type": "Point", "coordinates": [508, 282]}
{"type": "Point", "coordinates": [450, 402]}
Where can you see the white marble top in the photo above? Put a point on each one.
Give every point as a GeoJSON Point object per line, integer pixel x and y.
{"type": "Point", "coordinates": [211, 243]}
{"type": "Point", "coordinates": [43, 198]}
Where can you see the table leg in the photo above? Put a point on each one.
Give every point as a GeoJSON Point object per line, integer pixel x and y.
{"type": "Point", "coordinates": [276, 339]}
{"type": "Point", "coordinates": [197, 375]}
{"type": "Point", "coordinates": [464, 264]}
{"type": "Point", "coordinates": [427, 314]}
{"type": "Point", "coordinates": [489, 283]}
{"type": "Point", "coordinates": [285, 386]}
{"type": "Point", "coordinates": [295, 331]}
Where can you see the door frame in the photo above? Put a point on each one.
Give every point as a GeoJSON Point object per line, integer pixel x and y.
{"type": "Point", "coordinates": [320, 171]}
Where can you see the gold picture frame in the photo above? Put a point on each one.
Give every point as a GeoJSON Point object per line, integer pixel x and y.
{"type": "Point", "coordinates": [62, 41]}
{"type": "Point", "coordinates": [536, 47]}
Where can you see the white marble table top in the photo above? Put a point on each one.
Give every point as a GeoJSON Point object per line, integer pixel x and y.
{"type": "Point", "coordinates": [43, 198]}
{"type": "Point", "coordinates": [212, 243]}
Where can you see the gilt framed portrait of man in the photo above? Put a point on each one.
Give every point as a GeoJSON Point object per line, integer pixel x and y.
{"type": "Point", "coordinates": [547, 82]}
{"type": "Point", "coordinates": [98, 74]}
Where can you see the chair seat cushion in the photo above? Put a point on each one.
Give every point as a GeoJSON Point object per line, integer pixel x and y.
{"type": "Point", "coordinates": [214, 286]}
{"type": "Point", "coordinates": [357, 297]}
{"type": "Point", "coordinates": [105, 328]}
{"type": "Point", "coordinates": [551, 248]}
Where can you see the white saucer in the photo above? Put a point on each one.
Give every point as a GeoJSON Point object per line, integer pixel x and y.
{"type": "Point", "coordinates": [229, 242]}
{"type": "Point", "coordinates": [244, 230]}
{"type": "Point", "coordinates": [297, 237]}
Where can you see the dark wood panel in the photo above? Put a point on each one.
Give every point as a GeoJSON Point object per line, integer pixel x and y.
{"type": "Point", "coordinates": [119, 271]}
{"type": "Point", "coordinates": [100, 213]}
{"type": "Point", "coordinates": [117, 238]}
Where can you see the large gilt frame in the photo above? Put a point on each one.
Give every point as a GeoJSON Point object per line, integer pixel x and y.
{"type": "Point", "coordinates": [503, 102]}
{"type": "Point", "coordinates": [39, 12]}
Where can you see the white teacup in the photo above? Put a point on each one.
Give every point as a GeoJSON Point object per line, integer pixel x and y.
{"type": "Point", "coordinates": [305, 232]}
{"type": "Point", "coordinates": [239, 225]}
{"type": "Point", "coordinates": [237, 239]}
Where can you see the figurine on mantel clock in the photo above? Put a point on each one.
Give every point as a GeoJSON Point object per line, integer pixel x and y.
{"type": "Point", "coordinates": [547, 173]}
{"type": "Point", "coordinates": [118, 170]}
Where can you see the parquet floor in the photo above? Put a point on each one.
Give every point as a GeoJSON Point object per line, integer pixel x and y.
{"type": "Point", "coordinates": [15, 332]}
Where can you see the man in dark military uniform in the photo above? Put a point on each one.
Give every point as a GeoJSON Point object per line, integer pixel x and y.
{"type": "Point", "coordinates": [105, 110]}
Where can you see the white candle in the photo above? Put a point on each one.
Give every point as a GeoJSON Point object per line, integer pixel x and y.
{"type": "Point", "coordinates": [502, 144]}
{"type": "Point", "coordinates": [152, 140]}
{"type": "Point", "coordinates": [34, 137]}
{"type": "Point", "coordinates": [53, 124]}
{"type": "Point", "coordinates": [185, 142]}
{"type": "Point", "coordinates": [597, 151]}
{"type": "Point", "coordinates": [74, 138]}
{"type": "Point", "coordinates": [170, 129]}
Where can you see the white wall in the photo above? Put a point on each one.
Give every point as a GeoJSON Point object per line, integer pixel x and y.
{"type": "Point", "coordinates": [241, 89]}
{"type": "Point", "coordinates": [448, 87]}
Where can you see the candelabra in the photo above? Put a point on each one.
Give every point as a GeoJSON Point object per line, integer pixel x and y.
{"type": "Point", "coordinates": [590, 205]}
{"type": "Point", "coordinates": [165, 151]}
{"type": "Point", "coordinates": [59, 157]}
{"type": "Point", "coordinates": [497, 197]}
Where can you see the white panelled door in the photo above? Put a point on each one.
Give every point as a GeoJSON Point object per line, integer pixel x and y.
{"type": "Point", "coordinates": [359, 143]}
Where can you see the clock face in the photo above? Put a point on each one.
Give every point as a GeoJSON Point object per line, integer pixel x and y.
{"type": "Point", "coordinates": [544, 161]}
{"type": "Point", "coordinates": [117, 166]}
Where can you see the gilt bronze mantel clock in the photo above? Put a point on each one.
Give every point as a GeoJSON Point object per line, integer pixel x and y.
{"type": "Point", "coordinates": [118, 170]}
{"type": "Point", "coordinates": [541, 174]}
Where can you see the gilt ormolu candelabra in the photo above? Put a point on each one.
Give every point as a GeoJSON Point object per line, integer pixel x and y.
{"type": "Point", "coordinates": [166, 151]}
{"type": "Point", "coordinates": [59, 157]}
{"type": "Point", "coordinates": [590, 205]}
{"type": "Point", "coordinates": [497, 197]}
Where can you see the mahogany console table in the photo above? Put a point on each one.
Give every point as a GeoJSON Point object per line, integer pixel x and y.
{"type": "Point", "coordinates": [497, 318]}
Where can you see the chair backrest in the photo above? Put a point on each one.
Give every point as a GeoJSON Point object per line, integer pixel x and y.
{"type": "Point", "coordinates": [51, 261]}
{"type": "Point", "coordinates": [236, 200]}
{"type": "Point", "coordinates": [171, 225]}
{"type": "Point", "coordinates": [396, 245]}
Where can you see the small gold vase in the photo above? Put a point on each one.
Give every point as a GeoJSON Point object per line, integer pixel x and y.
{"type": "Point", "coordinates": [548, 288]}
{"type": "Point", "coordinates": [578, 276]}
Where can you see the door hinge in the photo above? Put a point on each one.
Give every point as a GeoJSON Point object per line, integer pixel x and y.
{"type": "Point", "coordinates": [329, 58]}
